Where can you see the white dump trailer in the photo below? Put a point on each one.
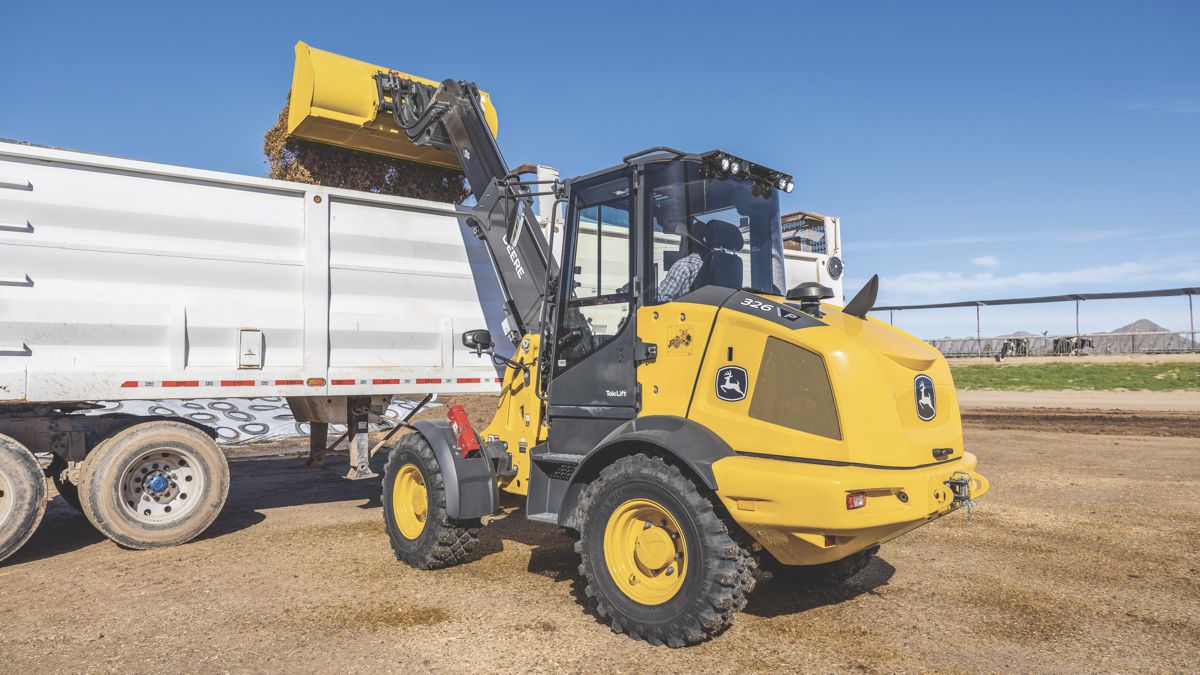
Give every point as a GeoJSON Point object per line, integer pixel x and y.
{"type": "Point", "coordinates": [123, 280]}
{"type": "Point", "coordinates": [129, 280]}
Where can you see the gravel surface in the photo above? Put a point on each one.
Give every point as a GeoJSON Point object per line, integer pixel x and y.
{"type": "Point", "coordinates": [1084, 556]}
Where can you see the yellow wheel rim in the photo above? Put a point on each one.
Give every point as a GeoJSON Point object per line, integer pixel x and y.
{"type": "Point", "coordinates": [410, 501]}
{"type": "Point", "coordinates": [645, 551]}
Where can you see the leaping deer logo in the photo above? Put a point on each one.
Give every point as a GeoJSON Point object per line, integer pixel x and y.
{"type": "Point", "coordinates": [731, 383]}
{"type": "Point", "coordinates": [926, 406]}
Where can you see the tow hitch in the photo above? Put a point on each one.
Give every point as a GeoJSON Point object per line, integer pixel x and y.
{"type": "Point", "coordinates": [960, 485]}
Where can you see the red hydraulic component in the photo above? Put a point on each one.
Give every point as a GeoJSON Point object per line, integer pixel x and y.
{"type": "Point", "coordinates": [464, 434]}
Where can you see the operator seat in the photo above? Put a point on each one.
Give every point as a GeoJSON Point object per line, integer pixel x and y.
{"type": "Point", "coordinates": [722, 264]}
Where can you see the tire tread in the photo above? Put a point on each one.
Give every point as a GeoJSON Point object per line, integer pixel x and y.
{"type": "Point", "coordinates": [452, 542]}
{"type": "Point", "coordinates": [733, 573]}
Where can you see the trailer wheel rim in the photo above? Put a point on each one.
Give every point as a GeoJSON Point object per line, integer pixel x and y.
{"type": "Point", "coordinates": [410, 501]}
{"type": "Point", "coordinates": [7, 498]}
{"type": "Point", "coordinates": [645, 551]}
{"type": "Point", "coordinates": [162, 485]}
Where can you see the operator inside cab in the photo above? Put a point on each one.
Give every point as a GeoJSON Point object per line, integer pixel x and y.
{"type": "Point", "coordinates": [712, 231]}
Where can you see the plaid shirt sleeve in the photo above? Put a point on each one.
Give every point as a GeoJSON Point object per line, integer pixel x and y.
{"type": "Point", "coordinates": [679, 278]}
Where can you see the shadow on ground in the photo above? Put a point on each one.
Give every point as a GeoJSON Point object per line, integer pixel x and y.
{"type": "Point", "coordinates": [256, 484]}
{"type": "Point", "coordinates": [259, 484]}
{"type": "Point", "coordinates": [553, 556]}
{"type": "Point", "coordinates": [777, 597]}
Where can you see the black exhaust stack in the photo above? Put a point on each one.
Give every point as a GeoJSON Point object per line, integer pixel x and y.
{"type": "Point", "coordinates": [865, 300]}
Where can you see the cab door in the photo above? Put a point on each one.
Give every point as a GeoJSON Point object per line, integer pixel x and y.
{"type": "Point", "coordinates": [593, 386]}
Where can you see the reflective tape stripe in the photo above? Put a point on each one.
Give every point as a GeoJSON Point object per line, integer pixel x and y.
{"type": "Point", "coordinates": [381, 381]}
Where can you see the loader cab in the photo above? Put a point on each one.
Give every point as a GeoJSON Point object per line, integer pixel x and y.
{"type": "Point", "coordinates": [662, 227]}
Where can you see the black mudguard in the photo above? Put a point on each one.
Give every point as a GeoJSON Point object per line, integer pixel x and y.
{"type": "Point", "coordinates": [471, 490]}
{"type": "Point", "coordinates": [691, 443]}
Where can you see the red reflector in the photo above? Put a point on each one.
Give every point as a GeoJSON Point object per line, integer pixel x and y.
{"type": "Point", "coordinates": [468, 380]}
{"type": "Point", "coordinates": [429, 380]}
{"type": "Point", "coordinates": [288, 383]}
{"type": "Point", "coordinates": [237, 383]}
{"type": "Point", "coordinates": [181, 383]}
{"type": "Point", "coordinates": [129, 383]}
{"type": "Point", "coordinates": [343, 382]}
{"type": "Point", "coordinates": [855, 500]}
{"type": "Point", "coordinates": [386, 381]}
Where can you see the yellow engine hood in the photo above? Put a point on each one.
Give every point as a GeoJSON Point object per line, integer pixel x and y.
{"type": "Point", "coordinates": [847, 393]}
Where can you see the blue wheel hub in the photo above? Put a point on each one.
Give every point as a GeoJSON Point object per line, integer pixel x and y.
{"type": "Point", "coordinates": [157, 483]}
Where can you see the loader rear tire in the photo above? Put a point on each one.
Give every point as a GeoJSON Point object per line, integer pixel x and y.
{"type": "Point", "coordinates": [825, 574]}
{"type": "Point", "coordinates": [660, 561]}
{"type": "Point", "coordinates": [154, 485]}
{"type": "Point", "coordinates": [414, 509]}
{"type": "Point", "coordinates": [22, 495]}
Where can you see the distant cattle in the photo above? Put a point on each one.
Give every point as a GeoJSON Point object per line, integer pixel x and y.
{"type": "Point", "coordinates": [1013, 347]}
{"type": "Point", "coordinates": [1071, 345]}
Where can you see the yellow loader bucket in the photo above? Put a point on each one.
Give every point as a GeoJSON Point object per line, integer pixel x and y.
{"type": "Point", "coordinates": [335, 101]}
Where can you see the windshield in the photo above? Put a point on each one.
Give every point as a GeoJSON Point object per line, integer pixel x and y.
{"type": "Point", "coordinates": [711, 230]}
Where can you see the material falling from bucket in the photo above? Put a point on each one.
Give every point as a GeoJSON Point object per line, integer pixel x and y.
{"type": "Point", "coordinates": [305, 161]}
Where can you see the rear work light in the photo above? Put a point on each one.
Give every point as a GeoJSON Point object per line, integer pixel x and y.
{"type": "Point", "coordinates": [856, 500]}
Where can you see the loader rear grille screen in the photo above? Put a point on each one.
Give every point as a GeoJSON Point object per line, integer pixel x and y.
{"type": "Point", "coordinates": [793, 391]}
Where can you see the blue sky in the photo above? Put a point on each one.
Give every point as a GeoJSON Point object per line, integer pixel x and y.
{"type": "Point", "coordinates": [971, 150]}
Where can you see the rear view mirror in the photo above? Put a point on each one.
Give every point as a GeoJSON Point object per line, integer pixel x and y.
{"type": "Point", "coordinates": [480, 340]}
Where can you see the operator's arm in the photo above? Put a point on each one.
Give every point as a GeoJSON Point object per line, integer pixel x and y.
{"type": "Point", "coordinates": [679, 278]}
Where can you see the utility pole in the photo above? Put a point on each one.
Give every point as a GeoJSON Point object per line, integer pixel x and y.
{"type": "Point", "coordinates": [978, 332]}
{"type": "Point", "coordinates": [1191, 324]}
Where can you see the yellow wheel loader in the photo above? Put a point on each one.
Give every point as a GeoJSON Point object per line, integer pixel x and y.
{"type": "Point", "coordinates": [669, 399]}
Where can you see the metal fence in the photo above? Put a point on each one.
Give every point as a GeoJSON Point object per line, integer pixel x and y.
{"type": "Point", "coordinates": [1165, 342]}
{"type": "Point", "coordinates": [1151, 342]}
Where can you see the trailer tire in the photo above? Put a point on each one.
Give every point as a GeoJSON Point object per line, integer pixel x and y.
{"type": "Point", "coordinates": [154, 485]}
{"type": "Point", "coordinates": [414, 509]}
{"type": "Point", "coordinates": [659, 559]}
{"type": "Point", "coordinates": [22, 495]}
{"type": "Point", "coordinates": [825, 574]}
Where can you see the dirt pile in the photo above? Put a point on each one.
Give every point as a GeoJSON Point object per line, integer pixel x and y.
{"type": "Point", "coordinates": [318, 164]}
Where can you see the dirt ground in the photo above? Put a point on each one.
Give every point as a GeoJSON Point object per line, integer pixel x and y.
{"type": "Point", "coordinates": [1084, 556]}
{"type": "Point", "coordinates": [1107, 401]}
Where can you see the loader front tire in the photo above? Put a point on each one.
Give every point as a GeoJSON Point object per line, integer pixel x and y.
{"type": "Point", "coordinates": [154, 485]}
{"type": "Point", "coordinates": [414, 509]}
{"type": "Point", "coordinates": [660, 561]}
{"type": "Point", "coordinates": [22, 495]}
